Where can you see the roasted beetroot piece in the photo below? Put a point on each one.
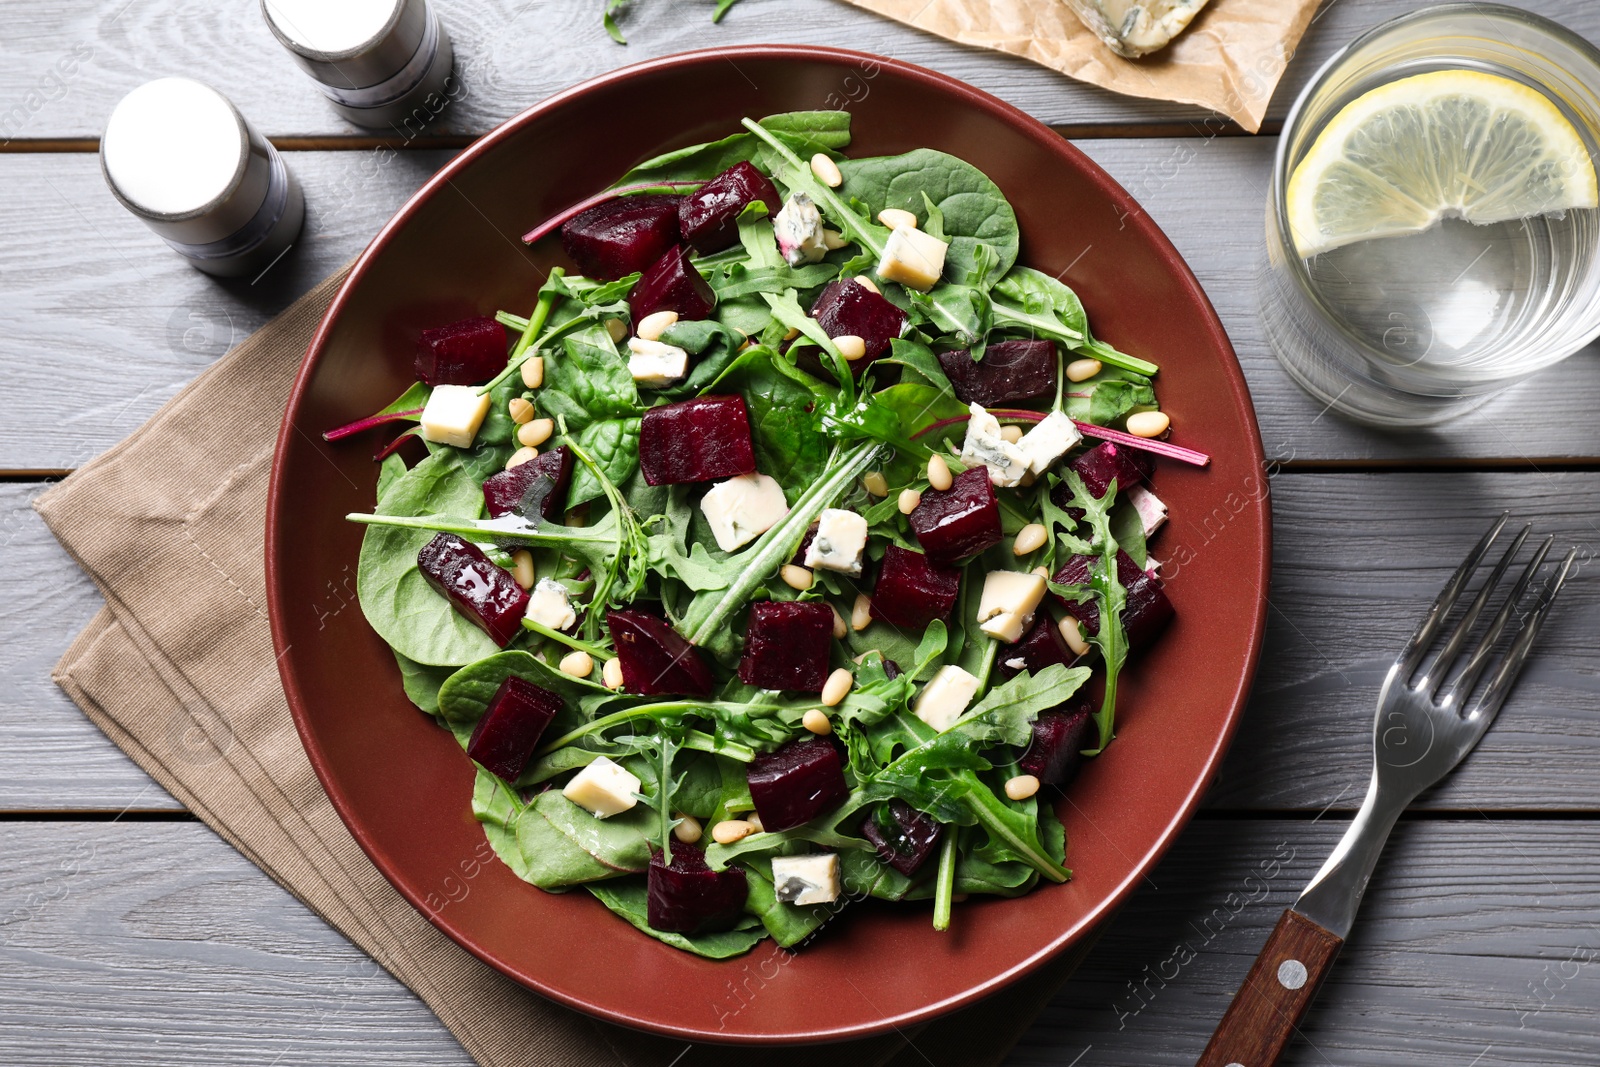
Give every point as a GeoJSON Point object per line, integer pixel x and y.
{"type": "Point", "coordinates": [912, 590]}
{"type": "Point", "coordinates": [787, 645]}
{"type": "Point", "coordinates": [903, 836]}
{"type": "Point", "coordinates": [462, 353]}
{"type": "Point", "coordinates": [655, 660]}
{"type": "Point", "coordinates": [510, 729]}
{"type": "Point", "coordinates": [799, 557]}
{"type": "Point", "coordinates": [796, 783]}
{"type": "Point", "coordinates": [689, 897]}
{"type": "Point", "coordinates": [671, 284]}
{"type": "Point", "coordinates": [1041, 646]}
{"type": "Point", "coordinates": [484, 593]}
{"type": "Point", "coordinates": [960, 521]}
{"type": "Point", "coordinates": [697, 440]}
{"type": "Point", "coordinates": [709, 217]}
{"type": "Point", "coordinates": [848, 307]}
{"type": "Point", "coordinates": [1059, 737]}
{"type": "Point", "coordinates": [1145, 613]}
{"type": "Point", "coordinates": [621, 236]}
{"type": "Point", "coordinates": [1009, 371]}
{"type": "Point", "coordinates": [1098, 467]}
{"type": "Point", "coordinates": [537, 488]}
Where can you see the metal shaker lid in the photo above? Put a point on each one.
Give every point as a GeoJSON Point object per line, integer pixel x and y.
{"type": "Point", "coordinates": [349, 44]}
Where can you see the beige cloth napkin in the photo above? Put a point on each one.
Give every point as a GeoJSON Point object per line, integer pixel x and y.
{"type": "Point", "coordinates": [179, 671]}
{"type": "Point", "coordinates": [1229, 59]}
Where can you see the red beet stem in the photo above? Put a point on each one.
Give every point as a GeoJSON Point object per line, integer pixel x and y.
{"type": "Point", "coordinates": [350, 429]}
{"type": "Point", "coordinates": [393, 446]}
{"type": "Point", "coordinates": [555, 222]}
{"type": "Point", "coordinates": [1088, 429]}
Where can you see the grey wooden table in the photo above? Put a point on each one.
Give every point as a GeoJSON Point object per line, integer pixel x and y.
{"type": "Point", "coordinates": [128, 929]}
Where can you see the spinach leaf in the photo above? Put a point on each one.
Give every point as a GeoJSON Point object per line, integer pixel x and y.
{"type": "Point", "coordinates": [422, 682]}
{"type": "Point", "coordinates": [614, 446]}
{"type": "Point", "coordinates": [806, 132]}
{"type": "Point", "coordinates": [465, 695]}
{"type": "Point", "coordinates": [783, 422]}
{"type": "Point", "coordinates": [1111, 399]}
{"type": "Point", "coordinates": [1030, 300]}
{"type": "Point", "coordinates": [627, 899]}
{"type": "Point", "coordinates": [590, 382]}
{"type": "Point", "coordinates": [789, 924]}
{"type": "Point", "coordinates": [921, 366]}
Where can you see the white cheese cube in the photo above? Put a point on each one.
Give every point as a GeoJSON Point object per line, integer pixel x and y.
{"type": "Point", "coordinates": [656, 364]}
{"type": "Point", "coordinates": [603, 789]}
{"type": "Point", "coordinates": [841, 539]}
{"type": "Point", "coordinates": [1009, 600]}
{"type": "Point", "coordinates": [912, 257]}
{"type": "Point", "coordinates": [453, 414]}
{"type": "Point", "coordinates": [1048, 441]}
{"type": "Point", "coordinates": [1152, 511]}
{"type": "Point", "coordinates": [809, 879]}
{"type": "Point", "coordinates": [549, 605]}
{"type": "Point", "coordinates": [798, 230]}
{"type": "Point", "coordinates": [945, 697]}
{"type": "Point", "coordinates": [743, 508]}
{"type": "Point", "coordinates": [985, 447]}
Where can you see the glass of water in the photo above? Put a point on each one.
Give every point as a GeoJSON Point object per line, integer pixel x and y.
{"type": "Point", "coordinates": [1415, 329]}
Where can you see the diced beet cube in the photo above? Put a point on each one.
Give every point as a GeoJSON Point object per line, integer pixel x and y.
{"type": "Point", "coordinates": [484, 593]}
{"type": "Point", "coordinates": [1098, 467]}
{"type": "Point", "coordinates": [462, 353]}
{"type": "Point", "coordinates": [1146, 611]}
{"type": "Point", "coordinates": [1041, 646]}
{"type": "Point", "coordinates": [960, 521]}
{"type": "Point", "coordinates": [1059, 737]}
{"type": "Point", "coordinates": [696, 440]}
{"type": "Point", "coordinates": [1009, 371]}
{"type": "Point", "coordinates": [903, 836]}
{"type": "Point", "coordinates": [689, 897]}
{"type": "Point", "coordinates": [787, 645]}
{"type": "Point", "coordinates": [847, 307]}
{"type": "Point", "coordinates": [912, 590]}
{"type": "Point", "coordinates": [510, 729]}
{"type": "Point", "coordinates": [537, 488]}
{"type": "Point", "coordinates": [796, 783]}
{"type": "Point", "coordinates": [671, 284]}
{"type": "Point", "coordinates": [799, 557]}
{"type": "Point", "coordinates": [656, 661]}
{"type": "Point", "coordinates": [621, 236]}
{"type": "Point", "coordinates": [708, 217]}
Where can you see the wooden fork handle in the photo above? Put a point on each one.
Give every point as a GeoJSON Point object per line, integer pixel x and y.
{"type": "Point", "coordinates": [1261, 1021]}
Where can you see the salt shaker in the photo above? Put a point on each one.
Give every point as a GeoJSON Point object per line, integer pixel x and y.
{"type": "Point", "coordinates": [377, 61]}
{"type": "Point", "coordinates": [178, 155]}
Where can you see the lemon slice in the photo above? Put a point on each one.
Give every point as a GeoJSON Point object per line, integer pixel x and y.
{"type": "Point", "coordinates": [1450, 143]}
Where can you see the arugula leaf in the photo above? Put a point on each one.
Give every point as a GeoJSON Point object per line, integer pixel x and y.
{"type": "Point", "coordinates": [1110, 596]}
{"type": "Point", "coordinates": [807, 132]}
{"type": "Point", "coordinates": [627, 899]}
{"type": "Point", "coordinates": [923, 365]}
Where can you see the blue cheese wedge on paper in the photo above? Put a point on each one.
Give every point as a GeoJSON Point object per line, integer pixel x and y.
{"type": "Point", "coordinates": [1135, 28]}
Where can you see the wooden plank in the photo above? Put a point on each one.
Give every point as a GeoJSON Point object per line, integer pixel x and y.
{"type": "Point", "coordinates": [1475, 934]}
{"type": "Point", "coordinates": [1358, 558]}
{"type": "Point", "coordinates": [104, 324]}
{"type": "Point", "coordinates": [66, 64]}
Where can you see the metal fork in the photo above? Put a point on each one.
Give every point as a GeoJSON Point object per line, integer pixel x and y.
{"type": "Point", "coordinates": [1427, 722]}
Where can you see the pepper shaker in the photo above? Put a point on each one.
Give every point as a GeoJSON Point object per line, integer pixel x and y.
{"type": "Point", "coordinates": [377, 61]}
{"type": "Point", "coordinates": [178, 155]}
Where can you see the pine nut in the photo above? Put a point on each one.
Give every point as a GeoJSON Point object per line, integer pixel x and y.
{"type": "Point", "coordinates": [826, 170]}
{"type": "Point", "coordinates": [522, 567]}
{"type": "Point", "coordinates": [816, 720]}
{"type": "Point", "coordinates": [616, 329]}
{"type": "Point", "coordinates": [861, 613]}
{"type": "Point", "coordinates": [521, 456]}
{"type": "Point", "coordinates": [909, 499]}
{"type": "Point", "coordinates": [791, 333]}
{"type": "Point", "coordinates": [894, 216]}
{"type": "Point", "coordinates": [875, 483]}
{"type": "Point", "coordinates": [611, 675]}
{"type": "Point", "coordinates": [839, 683]}
{"type": "Point", "coordinates": [730, 831]}
{"type": "Point", "coordinates": [688, 829]}
{"type": "Point", "coordinates": [577, 664]}
{"type": "Point", "coordinates": [1072, 634]}
{"type": "Point", "coordinates": [653, 325]}
{"type": "Point", "coordinates": [754, 819]}
{"type": "Point", "coordinates": [1022, 787]}
{"type": "Point", "coordinates": [939, 473]}
{"type": "Point", "coordinates": [533, 372]}
{"type": "Point", "coordinates": [796, 577]}
{"type": "Point", "coordinates": [1149, 423]}
{"type": "Point", "coordinates": [833, 240]}
{"type": "Point", "coordinates": [850, 346]}
{"type": "Point", "coordinates": [867, 283]}
{"type": "Point", "coordinates": [1081, 370]}
{"type": "Point", "coordinates": [841, 629]}
{"type": "Point", "coordinates": [521, 411]}
{"type": "Point", "coordinates": [1030, 538]}
{"type": "Point", "coordinates": [536, 432]}
{"type": "Point", "coordinates": [1042, 571]}
{"type": "Point", "coordinates": [1012, 434]}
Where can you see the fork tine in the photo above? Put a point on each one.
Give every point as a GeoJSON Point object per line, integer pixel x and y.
{"type": "Point", "coordinates": [1417, 647]}
{"type": "Point", "coordinates": [1468, 676]}
{"type": "Point", "coordinates": [1500, 687]}
{"type": "Point", "coordinates": [1445, 660]}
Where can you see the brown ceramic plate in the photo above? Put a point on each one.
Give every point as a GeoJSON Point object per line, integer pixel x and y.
{"type": "Point", "coordinates": [403, 785]}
